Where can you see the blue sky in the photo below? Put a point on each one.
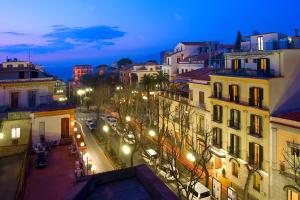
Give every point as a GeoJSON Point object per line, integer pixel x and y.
{"type": "Point", "coordinates": [66, 32]}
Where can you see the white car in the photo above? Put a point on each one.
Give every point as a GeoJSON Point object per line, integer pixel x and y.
{"type": "Point", "coordinates": [129, 138]}
{"type": "Point", "coordinates": [112, 121]}
{"type": "Point", "coordinates": [150, 156]}
{"type": "Point", "coordinates": [197, 191]}
{"type": "Point", "coordinates": [168, 172]}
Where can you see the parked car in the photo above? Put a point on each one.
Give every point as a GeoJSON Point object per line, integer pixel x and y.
{"type": "Point", "coordinates": [197, 191]}
{"type": "Point", "coordinates": [129, 138]}
{"type": "Point", "coordinates": [112, 121]}
{"type": "Point", "coordinates": [87, 122]}
{"type": "Point", "coordinates": [168, 172]}
{"type": "Point", "coordinates": [92, 126]}
{"type": "Point", "coordinates": [150, 156]}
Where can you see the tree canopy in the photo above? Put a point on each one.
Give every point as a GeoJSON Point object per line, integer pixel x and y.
{"type": "Point", "coordinates": [124, 62]}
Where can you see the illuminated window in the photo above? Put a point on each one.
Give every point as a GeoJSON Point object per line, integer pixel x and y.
{"type": "Point", "coordinates": [256, 182]}
{"type": "Point", "coordinates": [235, 169]}
{"type": "Point", "coordinates": [260, 43]}
{"type": "Point", "coordinates": [292, 195]}
{"type": "Point", "coordinates": [15, 133]}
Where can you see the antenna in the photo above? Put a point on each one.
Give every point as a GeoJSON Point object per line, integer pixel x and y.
{"type": "Point", "coordinates": [29, 54]}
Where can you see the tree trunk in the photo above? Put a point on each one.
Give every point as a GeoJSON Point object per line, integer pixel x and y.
{"type": "Point", "coordinates": [246, 187]}
{"type": "Point", "coordinates": [204, 168]}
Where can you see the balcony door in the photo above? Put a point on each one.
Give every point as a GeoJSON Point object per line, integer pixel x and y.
{"type": "Point", "coordinates": [64, 127]}
{"type": "Point", "coordinates": [14, 100]}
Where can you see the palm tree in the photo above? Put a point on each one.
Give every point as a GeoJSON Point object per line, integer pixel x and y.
{"type": "Point", "coordinates": [162, 79]}
{"type": "Point", "coordinates": [148, 83]}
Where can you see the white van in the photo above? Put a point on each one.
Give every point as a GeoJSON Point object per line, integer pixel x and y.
{"type": "Point", "coordinates": [150, 156]}
{"type": "Point", "coordinates": [197, 192]}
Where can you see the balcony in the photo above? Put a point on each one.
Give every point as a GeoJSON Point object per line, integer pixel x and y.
{"type": "Point", "coordinates": [234, 124]}
{"type": "Point", "coordinates": [257, 103]}
{"type": "Point", "coordinates": [216, 118]}
{"type": "Point", "coordinates": [217, 95]}
{"type": "Point", "coordinates": [267, 46]}
{"type": "Point", "coordinates": [202, 106]}
{"type": "Point", "coordinates": [234, 152]}
{"type": "Point", "coordinates": [235, 99]}
{"type": "Point", "coordinates": [253, 131]}
{"type": "Point", "coordinates": [245, 72]}
{"type": "Point", "coordinates": [256, 164]}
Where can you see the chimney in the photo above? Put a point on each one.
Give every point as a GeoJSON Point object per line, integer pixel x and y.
{"type": "Point", "coordinates": [296, 32]}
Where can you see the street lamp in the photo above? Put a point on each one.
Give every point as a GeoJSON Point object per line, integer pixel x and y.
{"type": "Point", "coordinates": [93, 168]}
{"type": "Point", "coordinates": [75, 129]}
{"type": "Point", "coordinates": [105, 128]}
{"type": "Point", "coordinates": [145, 97]}
{"type": "Point", "coordinates": [128, 118]}
{"type": "Point", "coordinates": [82, 144]}
{"type": "Point", "coordinates": [119, 87]}
{"type": "Point", "coordinates": [126, 149]}
{"type": "Point", "coordinates": [78, 136]}
{"type": "Point", "coordinates": [88, 89]}
{"type": "Point", "coordinates": [80, 92]}
{"type": "Point", "coordinates": [152, 133]}
{"type": "Point", "coordinates": [190, 157]}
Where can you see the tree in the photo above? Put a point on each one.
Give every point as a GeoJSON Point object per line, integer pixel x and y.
{"type": "Point", "coordinates": [87, 101]}
{"type": "Point", "coordinates": [292, 161]}
{"type": "Point", "coordinates": [124, 62]}
{"type": "Point", "coordinates": [238, 41]}
{"type": "Point", "coordinates": [162, 80]}
{"type": "Point", "coordinates": [252, 169]}
{"type": "Point", "coordinates": [148, 83]}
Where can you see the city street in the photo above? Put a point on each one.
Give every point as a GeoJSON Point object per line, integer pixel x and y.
{"type": "Point", "coordinates": [98, 158]}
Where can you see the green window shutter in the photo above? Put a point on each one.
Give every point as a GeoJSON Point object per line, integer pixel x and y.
{"type": "Point", "coordinates": [251, 152]}
{"type": "Point", "coordinates": [258, 63]}
{"type": "Point", "coordinates": [221, 141]}
{"type": "Point", "coordinates": [251, 92]}
{"type": "Point", "coordinates": [239, 118]}
{"type": "Point", "coordinates": [268, 66]}
{"type": "Point", "coordinates": [252, 120]}
{"type": "Point", "coordinates": [215, 89]}
{"type": "Point", "coordinates": [239, 63]}
{"type": "Point", "coordinates": [260, 124]}
{"type": "Point", "coordinates": [231, 143]}
{"type": "Point", "coordinates": [230, 93]}
{"type": "Point", "coordinates": [231, 116]}
{"type": "Point", "coordinates": [261, 155]}
{"type": "Point", "coordinates": [237, 144]}
{"type": "Point", "coordinates": [261, 96]}
{"type": "Point", "coordinates": [221, 113]}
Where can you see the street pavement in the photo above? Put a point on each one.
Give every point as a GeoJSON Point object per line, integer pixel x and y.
{"type": "Point", "coordinates": [97, 156]}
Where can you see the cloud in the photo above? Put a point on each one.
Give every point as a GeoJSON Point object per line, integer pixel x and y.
{"type": "Point", "coordinates": [62, 38]}
{"type": "Point", "coordinates": [13, 33]}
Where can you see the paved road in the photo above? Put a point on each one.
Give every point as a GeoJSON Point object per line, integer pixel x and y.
{"type": "Point", "coordinates": [97, 155]}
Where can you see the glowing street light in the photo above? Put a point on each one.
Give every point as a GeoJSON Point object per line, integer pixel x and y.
{"type": "Point", "coordinates": [152, 133]}
{"type": "Point", "coordinates": [190, 157]}
{"type": "Point", "coordinates": [119, 87]}
{"type": "Point", "coordinates": [128, 118]}
{"type": "Point", "coordinates": [78, 136]}
{"type": "Point", "coordinates": [145, 97]}
{"type": "Point", "coordinates": [105, 128]}
{"type": "Point", "coordinates": [126, 149]}
{"type": "Point", "coordinates": [82, 144]}
{"type": "Point", "coordinates": [73, 123]}
{"type": "Point", "coordinates": [75, 129]}
{"type": "Point", "coordinates": [88, 89]}
{"type": "Point", "coordinates": [93, 168]}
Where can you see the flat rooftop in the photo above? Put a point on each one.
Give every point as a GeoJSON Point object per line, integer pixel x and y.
{"type": "Point", "coordinates": [10, 167]}
{"type": "Point", "coordinates": [53, 181]}
{"type": "Point", "coordinates": [132, 183]}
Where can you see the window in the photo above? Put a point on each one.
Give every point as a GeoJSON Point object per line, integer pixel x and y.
{"type": "Point", "coordinates": [15, 133]}
{"type": "Point", "coordinates": [234, 148]}
{"type": "Point", "coordinates": [234, 93]}
{"type": "Point", "coordinates": [256, 182]}
{"type": "Point", "coordinates": [14, 99]}
{"type": "Point", "coordinates": [292, 195]}
{"type": "Point", "coordinates": [235, 169]}
{"type": "Point", "coordinates": [217, 137]}
{"type": "Point", "coordinates": [217, 113]}
{"type": "Point", "coordinates": [191, 95]}
{"type": "Point", "coordinates": [246, 60]}
{"type": "Point", "coordinates": [21, 75]}
{"type": "Point", "coordinates": [254, 60]}
{"type": "Point", "coordinates": [178, 60]}
{"type": "Point", "coordinates": [295, 151]}
{"type": "Point", "coordinates": [255, 96]}
{"type": "Point", "coordinates": [217, 90]}
{"type": "Point", "coordinates": [255, 154]}
{"type": "Point", "coordinates": [31, 98]}
{"type": "Point", "coordinates": [234, 121]}
{"type": "Point", "coordinates": [263, 66]}
{"type": "Point", "coordinates": [236, 64]}
{"type": "Point", "coordinates": [182, 71]}
{"type": "Point", "coordinates": [255, 125]}
{"type": "Point", "coordinates": [260, 43]}
{"type": "Point", "coordinates": [201, 99]}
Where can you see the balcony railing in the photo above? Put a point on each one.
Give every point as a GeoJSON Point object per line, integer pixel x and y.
{"type": "Point", "coordinates": [233, 98]}
{"type": "Point", "coordinates": [216, 118]}
{"type": "Point", "coordinates": [234, 124]}
{"type": "Point", "coordinates": [257, 103]}
{"type": "Point", "coordinates": [268, 46]}
{"type": "Point", "coordinates": [245, 72]}
{"type": "Point", "coordinates": [253, 131]}
{"type": "Point", "coordinates": [256, 164]}
{"type": "Point", "coordinates": [234, 152]}
{"type": "Point", "coordinates": [217, 95]}
{"type": "Point", "coordinates": [202, 106]}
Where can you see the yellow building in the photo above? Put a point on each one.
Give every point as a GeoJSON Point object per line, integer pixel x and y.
{"type": "Point", "coordinates": [253, 86]}
{"type": "Point", "coordinates": [285, 149]}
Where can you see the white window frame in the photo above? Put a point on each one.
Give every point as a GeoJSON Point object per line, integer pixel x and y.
{"type": "Point", "coordinates": [15, 133]}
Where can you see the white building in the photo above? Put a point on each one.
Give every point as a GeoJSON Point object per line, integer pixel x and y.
{"type": "Point", "coordinates": [140, 70]}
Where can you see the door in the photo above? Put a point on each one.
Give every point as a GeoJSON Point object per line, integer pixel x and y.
{"type": "Point", "coordinates": [42, 131]}
{"type": "Point", "coordinates": [14, 100]}
{"type": "Point", "coordinates": [64, 127]}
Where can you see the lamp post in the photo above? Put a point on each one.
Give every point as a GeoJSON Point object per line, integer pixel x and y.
{"type": "Point", "coordinates": [80, 93]}
{"type": "Point", "coordinates": [190, 157]}
{"type": "Point", "coordinates": [152, 133]}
